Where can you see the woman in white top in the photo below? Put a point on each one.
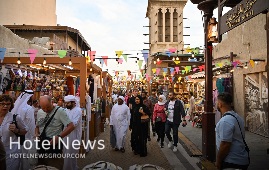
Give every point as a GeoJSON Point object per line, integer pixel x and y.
{"type": "Point", "coordinates": [9, 132]}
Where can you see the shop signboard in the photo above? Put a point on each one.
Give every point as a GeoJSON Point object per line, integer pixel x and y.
{"type": "Point", "coordinates": [241, 13]}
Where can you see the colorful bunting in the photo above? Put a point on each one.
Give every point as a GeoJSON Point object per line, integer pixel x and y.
{"type": "Point", "coordinates": [2, 54]}
{"type": "Point", "coordinates": [177, 69]}
{"type": "Point", "coordinates": [120, 60]}
{"type": "Point", "coordinates": [159, 62]}
{"type": "Point", "coordinates": [118, 53]}
{"type": "Point", "coordinates": [140, 63]}
{"type": "Point", "coordinates": [32, 54]}
{"type": "Point", "coordinates": [171, 70]}
{"type": "Point", "coordinates": [188, 49]}
{"type": "Point", "coordinates": [165, 70]}
{"type": "Point", "coordinates": [102, 62]}
{"type": "Point", "coordinates": [125, 57]}
{"type": "Point", "coordinates": [92, 55]}
{"type": "Point", "coordinates": [177, 61]}
{"type": "Point", "coordinates": [168, 53]}
{"type": "Point", "coordinates": [153, 70]}
{"type": "Point", "coordinates": [235, 64]}
{"type": "Point", "coordinates": [172, 50]}
{"type": "Point", "coordinates": [195, 69]}
{"type": "Point", "coordinates": [252, 63]}
{"type": "Point", "coordinates": [62, 53]}
{"type": "Point", "coordinates": [158, 71]}
{"type": "Point", "coordinates": [105, 59]}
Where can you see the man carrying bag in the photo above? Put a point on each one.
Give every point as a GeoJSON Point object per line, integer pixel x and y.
{"type": "Point", "coordinates": [50, 122]}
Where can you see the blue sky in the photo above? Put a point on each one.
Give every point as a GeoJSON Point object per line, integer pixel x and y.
{"type": "Point", "coordinates": [118, 25]}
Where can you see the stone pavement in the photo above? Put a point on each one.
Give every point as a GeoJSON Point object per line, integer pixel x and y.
{"type": "Point", "coordinates": [164, 157]}
{"type": "Point", "coordinates": [259, 158]}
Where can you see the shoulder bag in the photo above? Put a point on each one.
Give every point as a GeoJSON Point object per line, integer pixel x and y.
{"type": "Point", "coordinates": [246, 146]}
{"type": "Point", "coordinates": [43, 137]}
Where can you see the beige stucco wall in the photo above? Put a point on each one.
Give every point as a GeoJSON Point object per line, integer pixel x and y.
{"type": "Point", "coordinates": [13, 43]}
{"type": "Point", "coordinates": [28, 12]}
{"type": "Point", "coordinates": [248, 41]}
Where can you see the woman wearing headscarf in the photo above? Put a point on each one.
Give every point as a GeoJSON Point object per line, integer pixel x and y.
{"type": "Point", "coordinates": [140, 119]}
{"type": "Point", "coordinates": [9, 132]}
{"type": "Point", "coordinates": [159, 118]}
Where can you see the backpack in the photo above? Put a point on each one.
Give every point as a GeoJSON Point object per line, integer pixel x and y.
{"type": "Point", "coordinates": [145, 167]}
{"type": "Point", "coordinates": [20, 137]}
{"type": "Point", "coordinates": [102, 165]}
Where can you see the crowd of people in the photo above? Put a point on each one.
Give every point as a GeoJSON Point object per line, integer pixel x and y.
{"type": "Point", "coordinates": [141, 113]}
{"type": "Point", "coordinates": [38, 120]}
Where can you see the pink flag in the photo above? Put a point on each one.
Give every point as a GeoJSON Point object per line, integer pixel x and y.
{"type": "Point", "coordinates": [172, 50]}
{"type": "Point", "coordinates": [177, 69]}
{"type": "Point", "coordinates": [120, 60]}
{"type": "Point", "coordinates": [92, 55]}
{"type": "Point", "coordinates": [32, 54]}
{"type": "Point", "coordinates": [158, 71]}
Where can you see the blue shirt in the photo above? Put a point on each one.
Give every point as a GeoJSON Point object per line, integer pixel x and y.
{"type": "Point", "coordinates": [227, 130]}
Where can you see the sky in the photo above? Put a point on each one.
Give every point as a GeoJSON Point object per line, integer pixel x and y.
{"type": "Point", "coordinates": [109, 26]}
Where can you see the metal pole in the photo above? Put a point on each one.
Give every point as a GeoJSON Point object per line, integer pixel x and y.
{"type": "Point", "coordinates": [208, 123]}
{"type": "Point", "coordinates": [267, 65]}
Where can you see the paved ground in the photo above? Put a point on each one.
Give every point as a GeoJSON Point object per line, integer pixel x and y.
{"type": "Point", "coordinates": [258, 146]}
{"type": "Point", "coordinates": [164, 157]}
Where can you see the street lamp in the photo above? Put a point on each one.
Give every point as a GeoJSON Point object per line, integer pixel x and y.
{"type": "Point", "coordinates": [208, 124]}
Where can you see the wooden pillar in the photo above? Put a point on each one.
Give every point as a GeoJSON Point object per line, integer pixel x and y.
{"type": "Point", "coordinates": [83, 77]}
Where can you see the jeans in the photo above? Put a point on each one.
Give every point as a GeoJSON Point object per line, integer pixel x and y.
{"type": "Point", "coordinates": [168, 126]}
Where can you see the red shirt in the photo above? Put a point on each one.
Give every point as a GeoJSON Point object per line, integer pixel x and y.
{"type": "Point", "coordinates": [159, 112]}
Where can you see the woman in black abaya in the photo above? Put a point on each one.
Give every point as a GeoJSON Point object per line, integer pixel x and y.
{"type": "Point", "coordinates": [139, 128]}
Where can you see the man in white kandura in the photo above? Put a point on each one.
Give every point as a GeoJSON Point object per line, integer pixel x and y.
{"type": "Point", "coordinates": [119, 121]}
{"type": "Point", "coordinates": [75, 115]}
{"type": "Point", "coordinates": [26, 112]}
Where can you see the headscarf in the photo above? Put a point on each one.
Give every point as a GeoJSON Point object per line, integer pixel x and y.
{"type": "Point", "coordinates": [72, 98]}
{"type": "Point", "coordinates": [121, 97]}
{"type": "Point", "coordinates": [141, 101]}
{"type": "Point", "coordinates": [22, 101]}
{"type": "Point", "coordinates": [164, 100]}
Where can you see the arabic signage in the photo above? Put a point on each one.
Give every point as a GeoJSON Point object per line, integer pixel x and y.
{"type": "Point", "coordinates": [241, 13]}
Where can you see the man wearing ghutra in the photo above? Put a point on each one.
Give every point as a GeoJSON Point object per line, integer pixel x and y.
{"type": "Point", "coordinates": [26, 112]}
{"type": "Point", "coordinates": [119, 122]}
{"type": "Point", "coordinates": [75, 115]}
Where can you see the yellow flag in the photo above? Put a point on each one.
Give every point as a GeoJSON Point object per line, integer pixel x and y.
{"type": "Point", "coordinates": [154, 70]}
{"type": "Point", "coordinates": [252, 63]}
{"type": "Point", "coordinates": [177, 61]}
{"type": "Point", "coordinates": [118, 53]}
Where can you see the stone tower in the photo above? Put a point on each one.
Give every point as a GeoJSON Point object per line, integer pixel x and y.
{"type": "Point", "coordinates": [166, 24]}
{"type": "Point", "coordinates": [28, 12]}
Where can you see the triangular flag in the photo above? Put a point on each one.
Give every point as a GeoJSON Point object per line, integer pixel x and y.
{"type": "Point", "coordinates": [188, 68]}
{"type": "Point", "coordinates": [125, 57]}
{"type": "Point", "coordinates": [158, 71]}
{"type": "Point", "coordinates": [165, 70]}
{"type": "Point", "coordinates": [140, 64]}
{"type": "Point", "coordinates": [92, 55]}
{"type": "Point", "coordinates": [164, 74]}
{"type": "Point", "coordinates": [220, 65]}
{"type": "Point", "coordinates": [62, 53]}
{"type": "Point", "coordinates": [153, 70]}
{"type": "Point", "coordinates": [252, 63]}
{"type": "Point", "coordinates": [105, 59]}
{"type": "Point", "coordinates": [196, 50]}
{"type": "Point", "coordinates": [188, 49]}
{"type": "Point", "coordinates": [177, 69]}
{"type": "Point", "coordinates": [179, 78]}
{"type": "Point", "coordinates": [120, 60]}
{"type": "Point", "coordinates": [183, 71]}
{"type": "Point", "coordinates": [195, 69]}
{"type": "Point", "coordinates": [172, 50]}
{"type": "Point", "coordinates": [102, 62]}
{"type": "Point", "coordinates": [173, 78]}
{"type": "Point", "coordinates": [234, 64]}
{"type": "Point", "coordinates": [177, 61]}
{"type": "Point", "coordinates": [118, 53]}
{"type": "Point", "coordinates": [145, 57]}
{"type": "Point", "coordinates": [217, 65]}
{"type": "Point", "coordinates": [2, 53]}
{"type": "Point", "coordinates": [159, 62]}
{"type": "Point", "coordinates": [32, 54]}
{"type": "Point", "coordinates": [171, 70]}
{"type": "Point", "coordinates": [168, 53]}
